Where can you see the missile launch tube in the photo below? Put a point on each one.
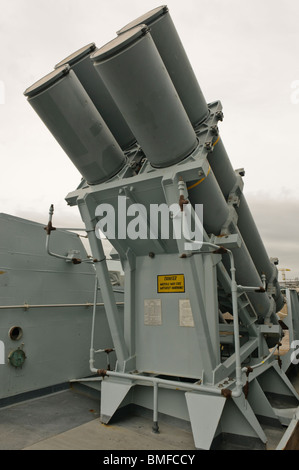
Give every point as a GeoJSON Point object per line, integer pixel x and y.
{"type": "Point", "coordinates": [206, 191]}
{"type": "Point", "coordinates": [137, 79]}
{"type": "Point", "coordinates": [66, 109]}
{"type": "Point", "coordinates": [176, 61]}
{"type": "Point", "coordinates": [227, 179]}
{"type": "Point", "coordinates": [178, 66]}
{"type": "Point", "coordinates": [80, 63]}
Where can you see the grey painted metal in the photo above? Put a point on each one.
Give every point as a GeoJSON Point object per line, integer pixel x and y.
{"type": "Point", "coordinates": [26, 306]}
{"type": "Point", "coordinates": [171, 341]}
{"type": "Point", "coordinates": [227, 180]}
{"type": "Point", "coordinates": [291, 320]}
{"type": "Point", "coordinates": [153, 351]}
{"type": "Point", "coordinates": [49, 301]}
{"type": "Point", "coordinates": [164, 356]}
{"type": "Point", "coordinates": [66, 109]}
{"type": "Point", "coordinates": [114, 321]}
{"type": "Point", "coordinates": [80, 63]}
{"type": "Point", "coordinates": [199, 409]}
{"type": "Point", "coordinates": [206, 191]}
{"type": "Point", "coordinates": [135, 75]}
{"type": "Point", "coordinates": [292, 317]}
{"type": "Point", "coordinates": [175, 59]}
{"type": "Point", "coordinates": [289, 441]}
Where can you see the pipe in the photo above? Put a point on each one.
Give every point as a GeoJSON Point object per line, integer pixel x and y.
{"type": "Point", "coordinates": [263, 361]}
{"type": "Point", "coordinates": [155, 411]}
{"type": "Point", "coordinates": [74, 229]}
{"type": "Point", "coordinates": [155, 380]}
{"type": "Point", "coordinates": [234, 291]}
{"type": "Point", "coordinates": [66, 258]}
{"type": "Point", "coordinates": [250, 289]}
{"type": "Point", "coordinates": [104, 350]}
{"type": "Point", "coordinates": [27, 306]}
{"type": "Point", "coordinates": [49, 229]}
{"type": "Point", "coordinates": [264, 279]}
{"type": "Point", "coordinates": [91, 352]}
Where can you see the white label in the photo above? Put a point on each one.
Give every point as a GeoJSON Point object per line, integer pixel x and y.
{"type": "Point", "coordinates": [186, 317]}
{"type": "Point", "coordinates": [152, 312]}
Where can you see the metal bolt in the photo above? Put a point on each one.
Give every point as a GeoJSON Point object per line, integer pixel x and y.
{"type": "Point", "coordinates": [208, 146]}
{"type": "Point", "coordinates": [215, 130]}
{"type": "Point", "coordinates": [219, 115]}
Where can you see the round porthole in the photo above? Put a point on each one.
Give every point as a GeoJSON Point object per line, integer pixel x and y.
{"type": "Point", "coordinates": [15, 333]}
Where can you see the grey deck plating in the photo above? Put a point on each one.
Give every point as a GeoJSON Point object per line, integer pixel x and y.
{"type": "Point", "coordinates": [69, 420]}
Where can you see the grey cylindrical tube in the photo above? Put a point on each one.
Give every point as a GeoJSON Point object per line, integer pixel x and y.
{"type": "Point", "coordinates": [206, 191]}
{"type": "Point", "coordinates": [80, 63]}
{"type": "Point", "coordinates": [176, 61]}
{"type": "Point", "coordinates": [227, 178]}
{"type": "Point", "coordinates": [66, 109]}
{"type": "Point", "coordinates": [137, 79]}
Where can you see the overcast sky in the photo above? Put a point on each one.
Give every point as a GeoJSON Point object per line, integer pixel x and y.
{"type": "Point", "coordinates": [244, 54]}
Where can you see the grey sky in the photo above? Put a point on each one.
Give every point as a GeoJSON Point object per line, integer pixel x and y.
{"type": "Point", "coordinates": [243, 53]}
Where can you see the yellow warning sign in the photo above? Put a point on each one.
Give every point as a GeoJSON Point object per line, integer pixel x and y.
{"type": "Point", "coordinates": [170, 283]}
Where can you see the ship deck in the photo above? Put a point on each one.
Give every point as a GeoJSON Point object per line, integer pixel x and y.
{"type": "Point", "coordinates": [69, 419]}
